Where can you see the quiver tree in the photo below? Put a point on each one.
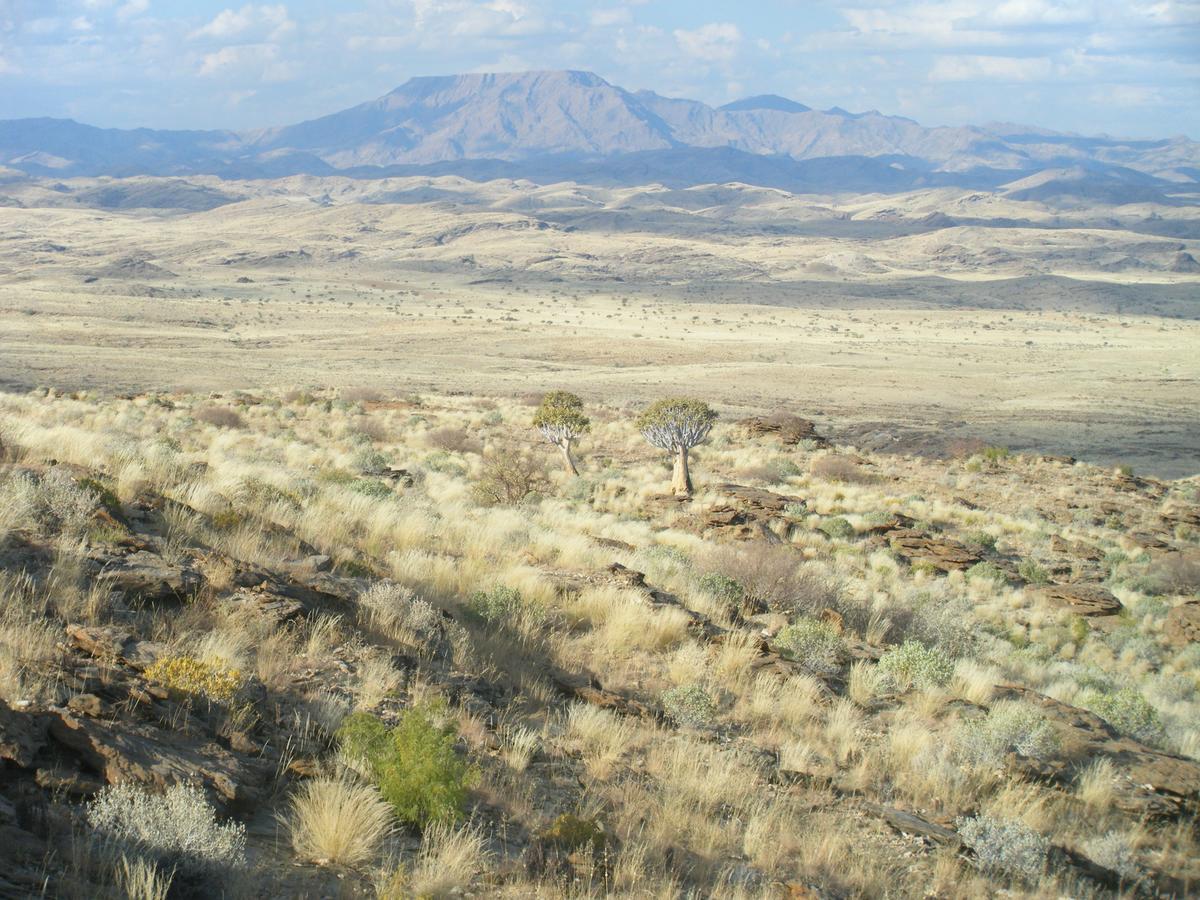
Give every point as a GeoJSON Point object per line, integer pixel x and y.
{"type": "Point", "coordinates": [560, 419]}
{"type": "Point", "coordinates": [677, 425]}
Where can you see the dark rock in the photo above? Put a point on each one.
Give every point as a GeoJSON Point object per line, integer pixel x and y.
{"type": "Point", "coordinates": [789, 429]}
{"type": "Point", "coordinates": [1183, 624]}
{"type": "Point", "coordinates": [22, 735]}
{"type": "Point", "coordinates": [148, 577]}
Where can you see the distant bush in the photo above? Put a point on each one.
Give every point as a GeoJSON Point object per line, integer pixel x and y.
{"type": "Point", "coordinates": [1008, 727]}
{"type": "Point", "coordinates": [689, 705]}
{"type": "Point", "coordinates": [915, 665]}
{"type": "Point", "coordinates": [1114, 851]}
{"type": "Point", "coordinates": [995, 454]}
{"type": "Point", "coordinates": [373, 488]}
{"type": "Point", "coordinates": [366, 459]}
{"type": "Point", "coordinates": [1005, 846]}
{"type": "Point", "coordinates": [1127, 711]}
{"type": "Point", "coordinates": [178, 829]}
{"type": "Point", "coordinates": [838, 468]}
{"type": "Point", "coordinates": [943, 621]}
{"type": "Point", "coordinates": [986, 571]}
{"type": "Point", "coordinates": [816, 645]}
{"type": "Point", "coordinates": [1174, 573]}
{"type": "Point", "coordinates": [981, 539]}
{"type": "Point", "coordinates": [414, 764]}
{"type": "Point", "coordinates": [195, 677]}
{"type": "Point", "coordinates": [442, 462]}
{"type": "Point", "coordinates": [500, 605]}
{"type": "Point", "coordinates": [453, 440]}
{"type": "Point", "coordinates": [220, 416]}
{"type": "Point", "coordinates": [775, 576]}
{"type": "Point", "coordinates": [394, 607]}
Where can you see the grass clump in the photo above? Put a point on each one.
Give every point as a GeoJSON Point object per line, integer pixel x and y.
{"type": "Point", "coordinates": [1005, 846]}
{"type": "Point", "coordinates": [816, 645]}
{"type": "Point", "coordinates": [837, 528]}
{"type": "Point", "coordinates": [722, 588]}
{"type": "Point", "coordinates": [1032, 572]}
{"type": "Point", "coordinates": [914, 664]}
{"type": "Point", "coordinates": [414, 764]}
{"type": "Point", "coordinates": [690, 705]}
{"type": "Point", "coordinates": [499, 605]}
{"type": "Point", "coordinates": [986, 571]}
{"type": "Point", "coordinates": [337, 821]}
{"type": "Point", "coordinates": [178, 829]}
{"type": "Point", "coordinates": [192, 676]}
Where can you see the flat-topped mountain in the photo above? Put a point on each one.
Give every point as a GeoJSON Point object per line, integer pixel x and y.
{"type": "Point", "coordinates": [544, 121]}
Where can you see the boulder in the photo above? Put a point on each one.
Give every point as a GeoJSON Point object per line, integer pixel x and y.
{"type": "Point", "coordinates": [22, 736]}
{"type": "Point", "coordinates": [789, 429]}
{"type": "Point", "coordinates": [109, 643]}
{"type": "Point", "coordinates": [1183, 624]}
{"type": "Point", "coordinates": [147, 576]}
{"type": "Point", "coordinates": [1082, 599]}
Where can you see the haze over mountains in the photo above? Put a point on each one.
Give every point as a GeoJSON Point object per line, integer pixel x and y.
{"type": "Point", "coordinates": [576, 126]}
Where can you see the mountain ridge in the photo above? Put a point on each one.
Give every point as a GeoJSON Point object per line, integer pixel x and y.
{"type": "Point", "coordinates": [515, 119]}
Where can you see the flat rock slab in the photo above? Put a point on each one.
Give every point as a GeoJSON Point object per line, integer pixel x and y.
{"type": "Point", "coordinates": [147, 576]}
{"type": "Point", "coordinates": [759, 502]}
{"type": "Point", "coordinates": [1082, 599]}
{"type": "Point", "coordinates": [109, 643]}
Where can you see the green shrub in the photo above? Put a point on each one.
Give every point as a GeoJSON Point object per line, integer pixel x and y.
{"type": "Point", "coordinates": [995, 454]}
{"type": "Point", "coordinates": [1127, 711]}
{"type": "Point", "coordinates": [689, 705]}
{"type": "Point", "coordinates": [500, 605]}
{"type": "Point", "coordinates": [722, 588]}
{"type": "Point", "coordinates": [369, 487]}
{"type": "Point", "coordinates": [981, 539]}
{"type": "Point", "coordinates": [836, 528]}
{"type": "Point", "coordinates": [415, 765]}
{"type": "Point", "coordinates": [1005, 846]}
{"type": "Point", "coordinates": [1032, 572]}
{"type": "Point", "coordinates": [571, 832]}
{"type": "Point", "coordinates": [367, 460]}
{"type": "Point", "coordinates": [988, 571]}
{"type": "Point", "coordinates": [1008, 727]}
{"type": "Point", "coordinates": [816, 645]}
{"type": "Point", "coordinates": [915, 665]}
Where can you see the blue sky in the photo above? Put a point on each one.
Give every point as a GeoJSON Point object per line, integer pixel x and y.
{"type": "Point", "coordinates": [1129, 67]}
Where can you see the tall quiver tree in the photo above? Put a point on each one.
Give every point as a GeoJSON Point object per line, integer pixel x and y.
{"type": "Point", "coordinates": [677, 425]}
{"type": "Point", "coordinates": [561, 421]}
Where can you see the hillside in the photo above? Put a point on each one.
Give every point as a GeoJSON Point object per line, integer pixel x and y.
{"type": "Point", "coordinates": [829, 673]}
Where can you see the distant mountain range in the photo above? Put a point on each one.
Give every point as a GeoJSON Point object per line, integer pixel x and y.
{"type": "Point", "coordinates": [575, 125]}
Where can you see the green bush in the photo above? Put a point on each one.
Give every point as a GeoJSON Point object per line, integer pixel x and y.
{"type": "Point", "coordinates": [689, 705]}
{"type": "Point", "coordinates": [915, 665]}
{"type": "Point", "coordinates": [995, 454]}
{"type": "Point", "coordinates": [816, 645]}
{"type": "Point", "coordinates": [988, 571]}
{"type": "Point", "coordinates": [1127, 711]}
{"type": "Point", "coordinates": [981, 539]}
{"type": "Point", "coordinates": [722, 588]}
{"type": "Point", "coordinates": [837, 527]}
{"type": "Point", "coordinates": [414, 764]}
{"type": "Point", "coordinates": [1032, 572]}
{"type": "Point", "coordinates": [1008, 727]}
{"type": "Point", "coordinates": [499, 605]}
{"type": "Point", "coordinates": [1005, 846]}
{"type": "Point", "coordinates": [369, 487]}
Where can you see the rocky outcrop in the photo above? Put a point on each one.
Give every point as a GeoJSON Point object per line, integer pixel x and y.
{"type": "Point", "coordinates": [790, 430]}
{"type": "Point", "coordinates": [1150, 783]}
{"type": "Point", "coordinates": [146, 576]}
{"type": "Point", "coordinates": [942, 553]}
{"type": "Point", "coordinates": [113, 644]}
{"type": "Point", "coordinates": [1082, 599]}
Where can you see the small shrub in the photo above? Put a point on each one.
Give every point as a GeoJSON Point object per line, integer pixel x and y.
{"type": "Point", "coordinates": [571, 832]}
{"type": "Point", "coordinates": [415, 765]}
{"type": "Point", "coordinates": [689, 705]}
{"type": "Point", "coordinates": [220, 416]}
{"type": "Point", "coordinates": [453, 440]}
{"type": "Point", "coordinates": [442, 462]}
{"type": "Point", "coordinates": [1032, 572]}
{"type": "Point", "coordinates": [981, 539]}
{"type": "Point", "coordinates": [772, 575]}
{"type": "Point", "coordinates": [509, 477]}
{"type": "Point", "coordinates": [336, 821]}
{"type": "Point", "coordinates": [722, 588]}
{"type": "Point", "coordinates": [816, 645]}
{"type": "Point", "coordinates": [996, 454]}
{"type": "Point", "coordinates": [837, 528]}
{"type": "Point", "coordinates": [394, 607]}
{"type": "Point", "coordinates": [914, 664]}
{"type": "Point", "coordinates": [195, 677]}
{"type": "Point", "coordinates": [177, 828]}
{"type": "Point", "coordinates": [1127, 711]}
{"type": "Point", "coordinates": [1008, 727]}
{"type": "Point", "coordinates": [986, 571]}
{"type": "Point", "coordinates": [1005, 846]}
{"type": "Point", "coordinates": [366, 460]}
{"type": "Point", "coordinates": [376, 490]}
{"type": "Point", "coordinates": [498, 606]}
{"type": "Point", "coordinates": [1114, 851]}
{"type": "Point", "coordinates": [946, 622]}
{"type": "Point", "coordinates": [838, 468]}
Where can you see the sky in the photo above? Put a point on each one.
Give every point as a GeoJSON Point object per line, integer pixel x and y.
{"type": "Point", "coordinates": [1121, 67]}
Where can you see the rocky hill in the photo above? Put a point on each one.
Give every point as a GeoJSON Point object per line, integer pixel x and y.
{"type": "Point", "coordinates": [319, 644]}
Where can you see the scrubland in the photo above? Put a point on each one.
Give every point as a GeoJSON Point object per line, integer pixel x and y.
{"type": "Point", "coordinates": [344, 643]}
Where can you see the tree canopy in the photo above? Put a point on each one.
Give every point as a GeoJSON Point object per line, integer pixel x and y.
{"type": "Point", "coordinates": [676, 423]}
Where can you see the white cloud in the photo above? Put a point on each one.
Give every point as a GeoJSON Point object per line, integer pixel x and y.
{"type": "Point", "coordinates": [271, 21]}
{"type": "Point", "coordinates": [262, 61]}
{"type": "Point", "coordinates": [990, 68]}
{"type": "Point", "coordinates": [714, 42]}
{"type": "Point", "coordinates": [132, 8]}
{"type": "Point", "coordinates": [606, 18]}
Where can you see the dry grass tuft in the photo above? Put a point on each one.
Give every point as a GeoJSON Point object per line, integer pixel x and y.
{"type": "Point", "coordinates": [336, 821]}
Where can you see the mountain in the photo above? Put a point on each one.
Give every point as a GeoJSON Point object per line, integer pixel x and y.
{"type": "Point", "coordinates": [529, 123]}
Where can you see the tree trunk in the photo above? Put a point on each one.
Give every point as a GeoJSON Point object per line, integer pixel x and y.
{"type": "Point", "coordinates": [565, 447]}
{"type": "Point", "coordinates": [681, 482]}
